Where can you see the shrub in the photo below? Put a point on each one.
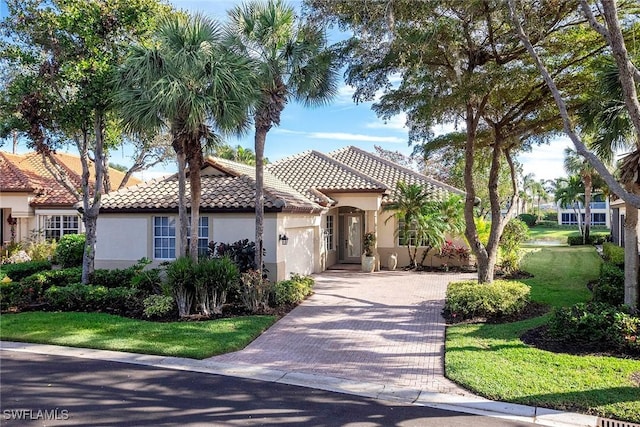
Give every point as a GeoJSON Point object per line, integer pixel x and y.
{"type": "Point", "coordinates": [158, 306]}
{"type": "Point", "coordinates": [597, 327]}
{"type": "Point", "coordinates": [42, 250]}
{"type": "Point", "coordinates": [70, 250]}
{"type": "Point", "coordinates": [613, 253]}
{"type": "Point", "coordinates": [594, 239]}
{"type": "Point", "coordinates": [514, 234]}
{"type": "Point", "coordinates": [610, 286]}
{"type": "Point", "coordinates": [548, 223]}
{"type": "Point", "coordinates": [528, 219]}
{"type": "Point", "coordinates": [468, 299]}
{"type": "Point", "coordinates": [242, 253]}
{"type": "Point", "coordinates": [148, 282]}
{"type": "Point", "coordinates": [19, 271]}
{"type": "Point", "coordinates": [254, 291]}
{"type": "Point", "coordinates": [63, 277]}
{"type": "Point", "coordinates": [18, 295]}
{"type": "Point", "coordinates": [292, 291]}
{"type": "Point", "coordinates": [112, 278]}
{"type": "Point", "coordinates": [214, 278]}
{"type": "Point", "coordinates": [79, 297]}
{"type": "Point", "coordinates": [551, 216]}
{"type": "Point", "coordinates": [180, 280]}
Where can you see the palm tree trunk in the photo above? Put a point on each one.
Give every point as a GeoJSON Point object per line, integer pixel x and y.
{"type": "Point", "coordinates": [587, 207]}
{"type": "Point", "coordinates": [182, 190]}
{"type": "Point", "coordinates": [195, 182]}
{"type": "Point", "coordinates": [260, 138]}
{"type": "Point", "coordinates": [631, 256]}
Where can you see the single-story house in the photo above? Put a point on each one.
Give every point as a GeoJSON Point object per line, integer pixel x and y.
{"type": "Point", "coordinates": [33, 204]}
{"type": "Point", "coordinates": [318, 208]}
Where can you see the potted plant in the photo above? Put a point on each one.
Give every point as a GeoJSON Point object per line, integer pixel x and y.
{"type": "Point", "coordinates": [368, 258]}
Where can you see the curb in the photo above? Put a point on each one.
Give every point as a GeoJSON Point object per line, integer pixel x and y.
{"type": "Point", "coordinates": [466, 404]}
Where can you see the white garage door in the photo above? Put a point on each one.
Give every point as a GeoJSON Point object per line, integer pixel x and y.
{"type": "Point", "coordinates": [299, 251]}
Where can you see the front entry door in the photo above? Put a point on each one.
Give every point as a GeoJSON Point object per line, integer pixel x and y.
{"type": "Point", "coordinates": [352, 238]}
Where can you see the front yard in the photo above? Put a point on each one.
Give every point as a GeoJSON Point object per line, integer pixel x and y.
{"type": "Point", "coordinates": [491, 360]}
{"type": "Point", "coordinates": [197, 340]}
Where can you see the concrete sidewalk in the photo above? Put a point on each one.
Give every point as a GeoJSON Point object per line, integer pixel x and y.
{"type": "Point", "coordinates": [384, 327]}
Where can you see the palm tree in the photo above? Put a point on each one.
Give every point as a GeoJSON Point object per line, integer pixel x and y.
{"type": "Point", "coordinates": [186, 83]}
{"type": "Point", "coordinates": [408, 207]}
{"type": "Point", "coordinates": [576, 164]}
{"type": "Point", "coordinates": [293, 63]}
{"type": "Point", "coordinates": [540, 193]}
{"type": "Point", "coordinates": [570, 193]}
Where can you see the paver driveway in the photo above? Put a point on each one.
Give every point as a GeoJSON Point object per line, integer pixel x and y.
{"type": "Point", "coordinates": [383, 327]}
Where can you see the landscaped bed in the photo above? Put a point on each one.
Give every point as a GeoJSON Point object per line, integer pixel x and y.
{"type": "Point", "coordinates": [197, 340]}
{"type": "Point", "coordinates": [492, 360]}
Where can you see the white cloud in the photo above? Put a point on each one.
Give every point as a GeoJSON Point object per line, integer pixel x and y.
{"type": "Point", "coordinates": [396, 122]}
{"type": "Point", "coordinates": [343, 136]}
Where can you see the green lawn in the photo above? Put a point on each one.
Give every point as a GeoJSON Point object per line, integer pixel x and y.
{"type": "Point", "coordinates": [196, 340]}
{"type": "Point", "coordinates": [492, 361]}
{"type": "Point", "coordinates": [552, 234]}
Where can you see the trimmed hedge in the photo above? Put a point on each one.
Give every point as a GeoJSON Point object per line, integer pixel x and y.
{"type": "Point", "coordinates": [19, 271]}
{"type": "Point", "coordinates": [468, 299]}
{"type": "Point", "coordinates": [79, 297]}
{"type": "Point", "coordinates": [613, 253]}
{"type": "Point", "coordinates": [292, 291]}
{"type": "Point", "coordinates": [528, 219]}
{"type": "Point", "coordinates": [594, 239]}
{"type": "Point", "coordinates": [70, 250]}
{"type": "Point", "coordinates": [610, 286]}
{"type": "Point", "coordinates": [597, 326]}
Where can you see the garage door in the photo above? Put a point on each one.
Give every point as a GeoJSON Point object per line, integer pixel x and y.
{"type": "Point", "coordinates": [299, 251]}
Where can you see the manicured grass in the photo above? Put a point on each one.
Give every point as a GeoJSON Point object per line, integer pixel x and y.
{"type": "Point", "coordinates": [492, 361]}
{"type": "Point", "coordinates": [196, 340]}
{"type": "Point", "coordinates": [561, 273]}
{"type": "Point", "coordinates": [559, 235]}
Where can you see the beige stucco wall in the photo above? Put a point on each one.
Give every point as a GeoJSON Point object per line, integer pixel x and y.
{"type": "Point", "coordinates": [364, 201]}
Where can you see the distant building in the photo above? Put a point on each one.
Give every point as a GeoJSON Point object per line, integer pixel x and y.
{"type": "Point", "coordinates": [600, 212]}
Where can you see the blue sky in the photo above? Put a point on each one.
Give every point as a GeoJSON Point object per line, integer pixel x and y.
{"type": "Point", "coordinates": [340, 123]}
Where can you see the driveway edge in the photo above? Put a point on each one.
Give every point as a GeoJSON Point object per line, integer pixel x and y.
{"type": "Point", "coordinates": [465, 404]}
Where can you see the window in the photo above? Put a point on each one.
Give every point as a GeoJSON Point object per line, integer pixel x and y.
{"type": "Point", "coordinates": [328, 233]}
{"type": "Point", "coordinates": [409, 238]}
{"type": "Point", "coordinates": [56, 226]}
{"type": "Point", "coordinates": [569, 218]}
{"type": "Point", "coordinates": [203, 235]}
{"type": "Point", "coordinates": [598, 219]}
{"type": "Point", "coordinates": [164, 237]}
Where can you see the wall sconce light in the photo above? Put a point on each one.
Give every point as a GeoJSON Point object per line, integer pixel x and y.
{"type": "Point", "coordinates": [283, 239]}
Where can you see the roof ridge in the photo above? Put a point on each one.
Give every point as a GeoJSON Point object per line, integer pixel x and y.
{"type": "Point", "coordinates": [405, 169]}
{"type": "Point", "coordinates": [352, 170]}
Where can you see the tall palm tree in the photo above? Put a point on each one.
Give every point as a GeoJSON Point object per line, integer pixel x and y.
{"type": "Point", "coordinates": [540, 193]}
{"type": "Point", "coordinates": [186, 82]}
{"type": "Point", "coordinates": [570, 193]}
{"type": "Point", "coordinates": [576, 164]}
{"type": "Point", "coordinates": [293, 63]}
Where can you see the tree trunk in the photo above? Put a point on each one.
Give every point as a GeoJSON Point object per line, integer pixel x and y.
{"type": "Point", "coordinates": [631, 256]}
{"type": "Point", "coordinates": [107, 177]}
{"type": "Point", "coordinates": [586, 179]}
{"type": "Point", "coordinates": [181, 240]}
{"type": "Point", "coordinates": [260, 138]}
{"type": "Point", "coordinates": [195, 182]}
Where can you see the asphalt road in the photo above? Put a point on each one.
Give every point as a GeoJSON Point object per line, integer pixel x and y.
{"type": "Point", "coordinates": [74, 391]}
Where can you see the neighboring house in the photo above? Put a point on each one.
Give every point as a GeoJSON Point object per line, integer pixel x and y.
{"type": "Point", "coordinates": [600, 212]}
{"type": "Point", "coordinates": [317, 209]}
{"type": "Point", "coordinates": [33, 204]}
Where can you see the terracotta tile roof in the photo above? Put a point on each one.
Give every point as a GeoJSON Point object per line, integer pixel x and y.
{"type": "Point", "coordinates": [28, 173]}
{"type": "Point", "coordinates": [231, 190]}
{"type": "Point", "coordinates": [388, 172]}
{"type": "Point", "coordinates": [312, 172]}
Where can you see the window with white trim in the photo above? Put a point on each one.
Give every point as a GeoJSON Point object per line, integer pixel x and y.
{"type": "Point", "coordinates": [410, 235]}
{"type": "Point", "coordinates": [203, 235]}
{"type": "Point", "coordinates": [56, 226]}
{"type": "Point", "coordinates": [328, 233]}
{"type": "Point", "coordinates": [164, 237]}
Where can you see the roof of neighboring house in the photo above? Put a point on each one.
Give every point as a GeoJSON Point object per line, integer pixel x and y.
{"type": "Point", "coordinates": [28, 173]}
{"type": "Point", "coordinates": [229, 187]}
{"type": "Point", "coordinates": [388, 172]}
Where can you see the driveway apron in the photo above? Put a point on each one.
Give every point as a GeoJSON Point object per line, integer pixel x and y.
{"type": "Point", "coordinates": [383, 327]}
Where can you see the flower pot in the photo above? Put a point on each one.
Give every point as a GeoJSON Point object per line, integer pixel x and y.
{"type": "Point", "coordinates": [368, 263]}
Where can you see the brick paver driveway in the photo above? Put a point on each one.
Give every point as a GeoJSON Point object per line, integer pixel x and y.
{"type": "Point", "coordinates": [383, 327]}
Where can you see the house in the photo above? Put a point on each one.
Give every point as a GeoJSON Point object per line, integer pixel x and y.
{"type": "Point", "coordinates": [33, 203]}
{"type": "Point", "coordinates": [318, 208]}
{"type": "Point", "coordinates": [600, 212]}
